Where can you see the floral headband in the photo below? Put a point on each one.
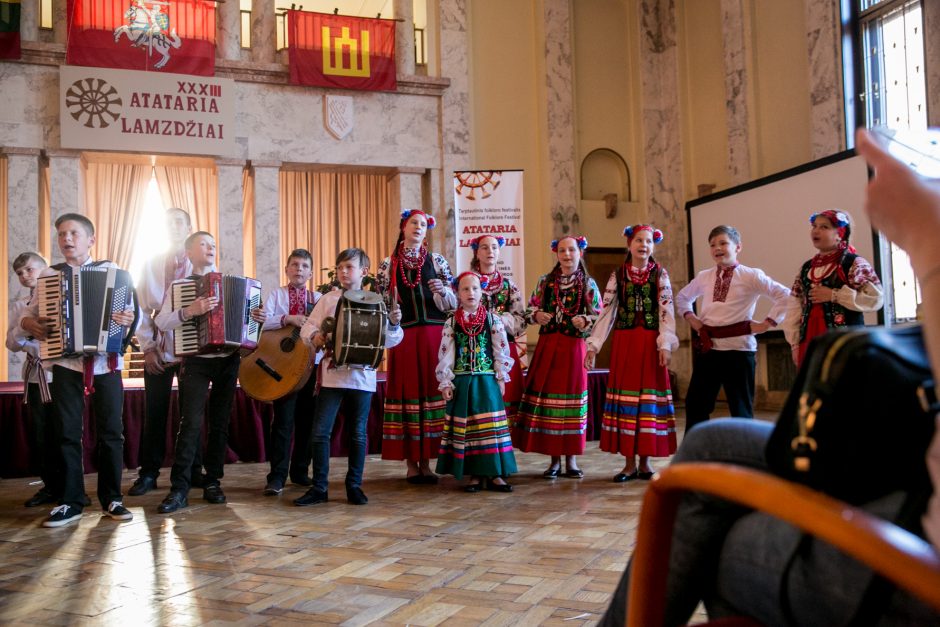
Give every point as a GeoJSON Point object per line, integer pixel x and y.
{"type": "Point", "coordinates": [455, 282]}
{"type": "Point", "coordinates": [475, 242]}
{"type": "Point", "coordinates": [580, 240]}
{"type": "Point", "coordinates": [839, 219]}
{"type": "Point", "coordinates": [631, 231]}
{"type": "Point", "coordinates": [407, 213]}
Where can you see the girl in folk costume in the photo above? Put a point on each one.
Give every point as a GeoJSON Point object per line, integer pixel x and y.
{"type": "Point", "coordinates": [414, 408]}
{"type": "Point", "coordinates": [503, 298]}
{"type": "Point", "coordinates": [553, 413]}
{"type": "Point", "coordinates": [639, 417]}
{"type": "Point", "coordinates": [473, 369]}
{"type": "Point", "coordinates": [834, 288]}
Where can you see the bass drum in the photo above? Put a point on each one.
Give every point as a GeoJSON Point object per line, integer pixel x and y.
{"type": "Point", "coordinates": [359, 336]}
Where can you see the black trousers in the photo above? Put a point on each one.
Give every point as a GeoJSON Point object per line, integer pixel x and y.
{"type": "Point", "coordinates": [68, 402]}
{"type": "Point", "coordinates": [158, 390]}
{"type": "Point", "coordinates": [293, 415]}
{"type": "Point", "coordinates": [732, 370]}
{"type": "Point", "coordinates": [196, 375]}
{"type": "Point", "coordinates": [44, 441]}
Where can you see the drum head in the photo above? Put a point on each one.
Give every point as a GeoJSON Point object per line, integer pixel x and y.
{"type": "Point", "coordinates": [362, 297]}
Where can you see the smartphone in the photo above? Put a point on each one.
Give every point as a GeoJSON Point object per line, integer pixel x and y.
{"type": "Point", "coordinates": [918, 149]}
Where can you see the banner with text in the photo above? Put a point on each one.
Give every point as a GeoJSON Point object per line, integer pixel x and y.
{"type": "Point", "coordinates": [104, 109]}
{"type": "Point", "coordinates": [490, 203]}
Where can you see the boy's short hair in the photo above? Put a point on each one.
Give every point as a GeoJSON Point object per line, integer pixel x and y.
{"type": "Point", "coordinates": [189, 220]}
{"type": "Point", "coordinates": [192, 238]}
{"type": "Point", "coordinates": [24, 258]}
{"type": "Point", "coordinates": [300, 253]}
{"type": "Point", "coordinates": [76, 217]}
{"type": "Point", "coordinates": [354, 253]}
{"type": "Point", "coordinates": [725, 229]}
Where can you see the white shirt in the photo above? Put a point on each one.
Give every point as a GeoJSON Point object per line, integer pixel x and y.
{"type": "Point", "coordinates": [447, 353]}
{"type": "Point", "coordinates": [151, 292]}
{"type": "Point", "coordinates": [666, 340]}
{"type": "Point", "coordinates": [277, 305]}
{"type": "Point", "coordinates": [72, 363]}
{"type": "Point", "coordinates": [346, 377]}
{"type": "Point", "coordinates": [17, 342]}
{"type": "Point", "coordinates": [746, 288]}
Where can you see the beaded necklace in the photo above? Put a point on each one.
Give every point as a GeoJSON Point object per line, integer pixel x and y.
{"type": "Point", "coordinates": [560, 301]}
{"type": "Point", "coordinates": [411, 263]}
{"type": "Point", "coordinates": [639, 276]}
{"type": "Point", "coordinates": [472, 324]}
{"type": "Point", "coordinates": [494, 282]}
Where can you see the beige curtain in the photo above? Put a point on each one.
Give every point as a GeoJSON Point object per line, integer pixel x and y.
{"type": "Point", "coordinates": [248, 222]}
{"type": "Point", "coordinates": [326, 212]}
{"type": "Point", "coordinates": [4, 291]}
{"type": "Point", "coordinates": [114, 200]}
{"type": "Point", "coordinates": [45, 210]}
{"type": "Point", "coordinates": [196, 191]}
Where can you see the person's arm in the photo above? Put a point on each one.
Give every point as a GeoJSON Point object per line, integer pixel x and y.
{"type": "Point", "coordinates": [863, 292]}
{"type": "Point", "coordinates": [445, 360]}
{"type": "Point", "coordinates": [445, 300]}
{"type": "Point", "coordinates": [310, 331]}
{"type": "Point", "coordinates": [592, 307]}
{"type": "Point", "coordinates": [513, 318]}
{"type": "Point", "coordinates": [667, 340]}
{"type": "Point", "coordinates": [793, 315]}
{"type": "Point", "coordinates": [604, 322]}
{"type": "Point", "coordinates": [15, 342]}
{"type": "Point", "coordinates": [778, 294]}
{"type": "Point", "coordinates": [394, 334]}
{"type": "Point", "coordinates": [534, 313]}
{"type": "Point", "coordinates": [686, 297]}
{"type": "Point", "coordinates": [502, 361]}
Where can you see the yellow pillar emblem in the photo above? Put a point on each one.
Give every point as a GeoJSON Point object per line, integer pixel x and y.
{"type": "Point", "coordinates": [333, 53]}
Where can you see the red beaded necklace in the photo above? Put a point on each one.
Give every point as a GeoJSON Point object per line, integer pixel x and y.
{"type": "Point", "coordinates": [494, 282]}
{"type": "Point", "coordinates": [824, 259]}
{"type": "Point", "coordinates": [639, 276]}
{"type": "Point", "coordinates": [415, 263]}
{"type": "Point", "coordinates": [472, 324]}
{"type": "Point", "coordinates": [560, 301]}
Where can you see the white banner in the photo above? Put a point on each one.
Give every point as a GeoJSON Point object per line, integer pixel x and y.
{"type": "Point", "coordinates": [106, 109]}
{"type": "Point", "coordinates": [490, 203]}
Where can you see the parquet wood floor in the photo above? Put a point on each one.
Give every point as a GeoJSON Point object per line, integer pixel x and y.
{"type": "Point", "coordinates": [549, 553]}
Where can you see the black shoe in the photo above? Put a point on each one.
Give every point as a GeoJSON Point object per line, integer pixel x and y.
{"type": "Point", "coordinates": [473, 487]}
{"type": "Point", "coordinates": [142, 485]}
{"type": "Point", "coordinates": [198, 481]}
{"type": "Point", "coordinates": [356, 496]}
{"type": "Point", "coordinates": [497, 487]}
{"type": "Point", "coordinates": [86, 500]}
{"type": "Point", "coordinates": [61, 516]}
{"type": "Point", "coordinates": [273, 487]}
{"type": "Point", "coordinates": [214, 494]}
{"type": "Point", "coordinates": [429, 479]}
{"type": "Point", "coordinates": [552, 472]}
{"type": "Point", "coordinates": [303, 480]}
{"type": "Point", "coordinates": [42, 497]}
{"type": "Point", "coordinates": [622, 477]}
{"type": "Point", "coordinates": [574, 473]}
{"type": "Point", "coordinates": [173, 501]}
{"type": "Point", "coordinates": [645, 476]}
{"type": "Point", "coordinates": [312, 497]}
{"type": "Point", "coordinates": [117, 511]}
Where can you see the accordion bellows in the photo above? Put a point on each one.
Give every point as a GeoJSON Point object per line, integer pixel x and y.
{"type": "Point", "coordinates": [228, 326]}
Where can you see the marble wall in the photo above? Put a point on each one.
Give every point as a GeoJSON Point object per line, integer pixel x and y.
{"type": "Point", "coordinates": [823, 26]}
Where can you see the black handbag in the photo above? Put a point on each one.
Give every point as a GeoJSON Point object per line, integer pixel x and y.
{"type": "Point", "coordinates": [860, 416]}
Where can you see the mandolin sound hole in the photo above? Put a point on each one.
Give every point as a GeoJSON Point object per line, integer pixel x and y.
{"type": "Point", "coordinates": [288, 344]}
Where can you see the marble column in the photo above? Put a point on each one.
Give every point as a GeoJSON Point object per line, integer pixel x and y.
{"type": "Point", "coordinates": [454, 120]}
{"type": "Point", "coordinates": [559, 110]}
{"type": "Point", "coordinates": [66, 194]}
{"type": "Point", "coordinates": [404, 38]}
{"type": "Point", "coordinates": [29, 21]}
{"type": "Point", "coordinates": [662, 154]}
{"type": "Point", "coordinates": [827, 113]}
{"type": "Point", "coordinates": [229, 19]}
{"type": "Point", "coordinates": [22, 226]}
{"type": "Point", "coordinates": [735, 28]}
{"type": "Point", "coordinates": [60, 27]}
{"type": "Point", "coordinates": [267, 225]}
{"type": "Point", "coordinates": [231, 225]}
{"type": "Point", "coordinates": [263, 41]}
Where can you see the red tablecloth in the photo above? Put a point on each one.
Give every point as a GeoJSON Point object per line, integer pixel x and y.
{"type": "Point", "coordinates": [248, 430]}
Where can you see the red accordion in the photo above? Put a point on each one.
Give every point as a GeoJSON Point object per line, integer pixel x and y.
{"type": "Point", "coordinates": [227, 326]}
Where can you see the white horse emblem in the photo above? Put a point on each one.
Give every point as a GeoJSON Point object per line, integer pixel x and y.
{"type": "Point", "coordinates": [149, 27]}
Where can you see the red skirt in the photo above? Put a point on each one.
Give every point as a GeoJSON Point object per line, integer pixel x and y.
{"type": "Point", "coordinates": [515, 386]}
{"type": "Point", "coordinates": [552, 416]}
{"type": "Point", "coordinates": [639, 416]}
{"type": "Point", "coordinates": [815, 326]}
{"type": "Point", "coordinates": [414, 407]}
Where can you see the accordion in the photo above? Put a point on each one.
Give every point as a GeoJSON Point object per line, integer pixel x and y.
{"type": "Point", "coordinates": [227, 326]}
{"type": "Point", "coordinates": [80, 301]}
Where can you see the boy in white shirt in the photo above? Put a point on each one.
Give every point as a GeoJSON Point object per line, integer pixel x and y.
{"type": "Point", "coordinates": [354, 385]}
{"type": "Point", "coordinates": [729, 294]}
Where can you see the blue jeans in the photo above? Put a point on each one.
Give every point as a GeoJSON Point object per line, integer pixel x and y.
{"type": "Point", "coordinates": [357, 404]}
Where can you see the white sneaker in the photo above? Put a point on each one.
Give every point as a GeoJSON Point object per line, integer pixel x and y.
{"type": "Point", "coordinates": [117, 511]}
{"type": "Point", "coordinates": [62, 515]}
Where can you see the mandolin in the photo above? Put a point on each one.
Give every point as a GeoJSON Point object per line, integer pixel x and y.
{"type": "Point", "coordinates": [281, 364]}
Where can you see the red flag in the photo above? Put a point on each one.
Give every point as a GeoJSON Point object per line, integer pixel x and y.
{"type": "Point", "coordinates": [341, 51]}
{"type": "Point", "coordinates": [173, 36]}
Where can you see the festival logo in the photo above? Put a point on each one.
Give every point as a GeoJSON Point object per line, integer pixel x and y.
{"type": "Point", "coordinates": [149, 28]}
